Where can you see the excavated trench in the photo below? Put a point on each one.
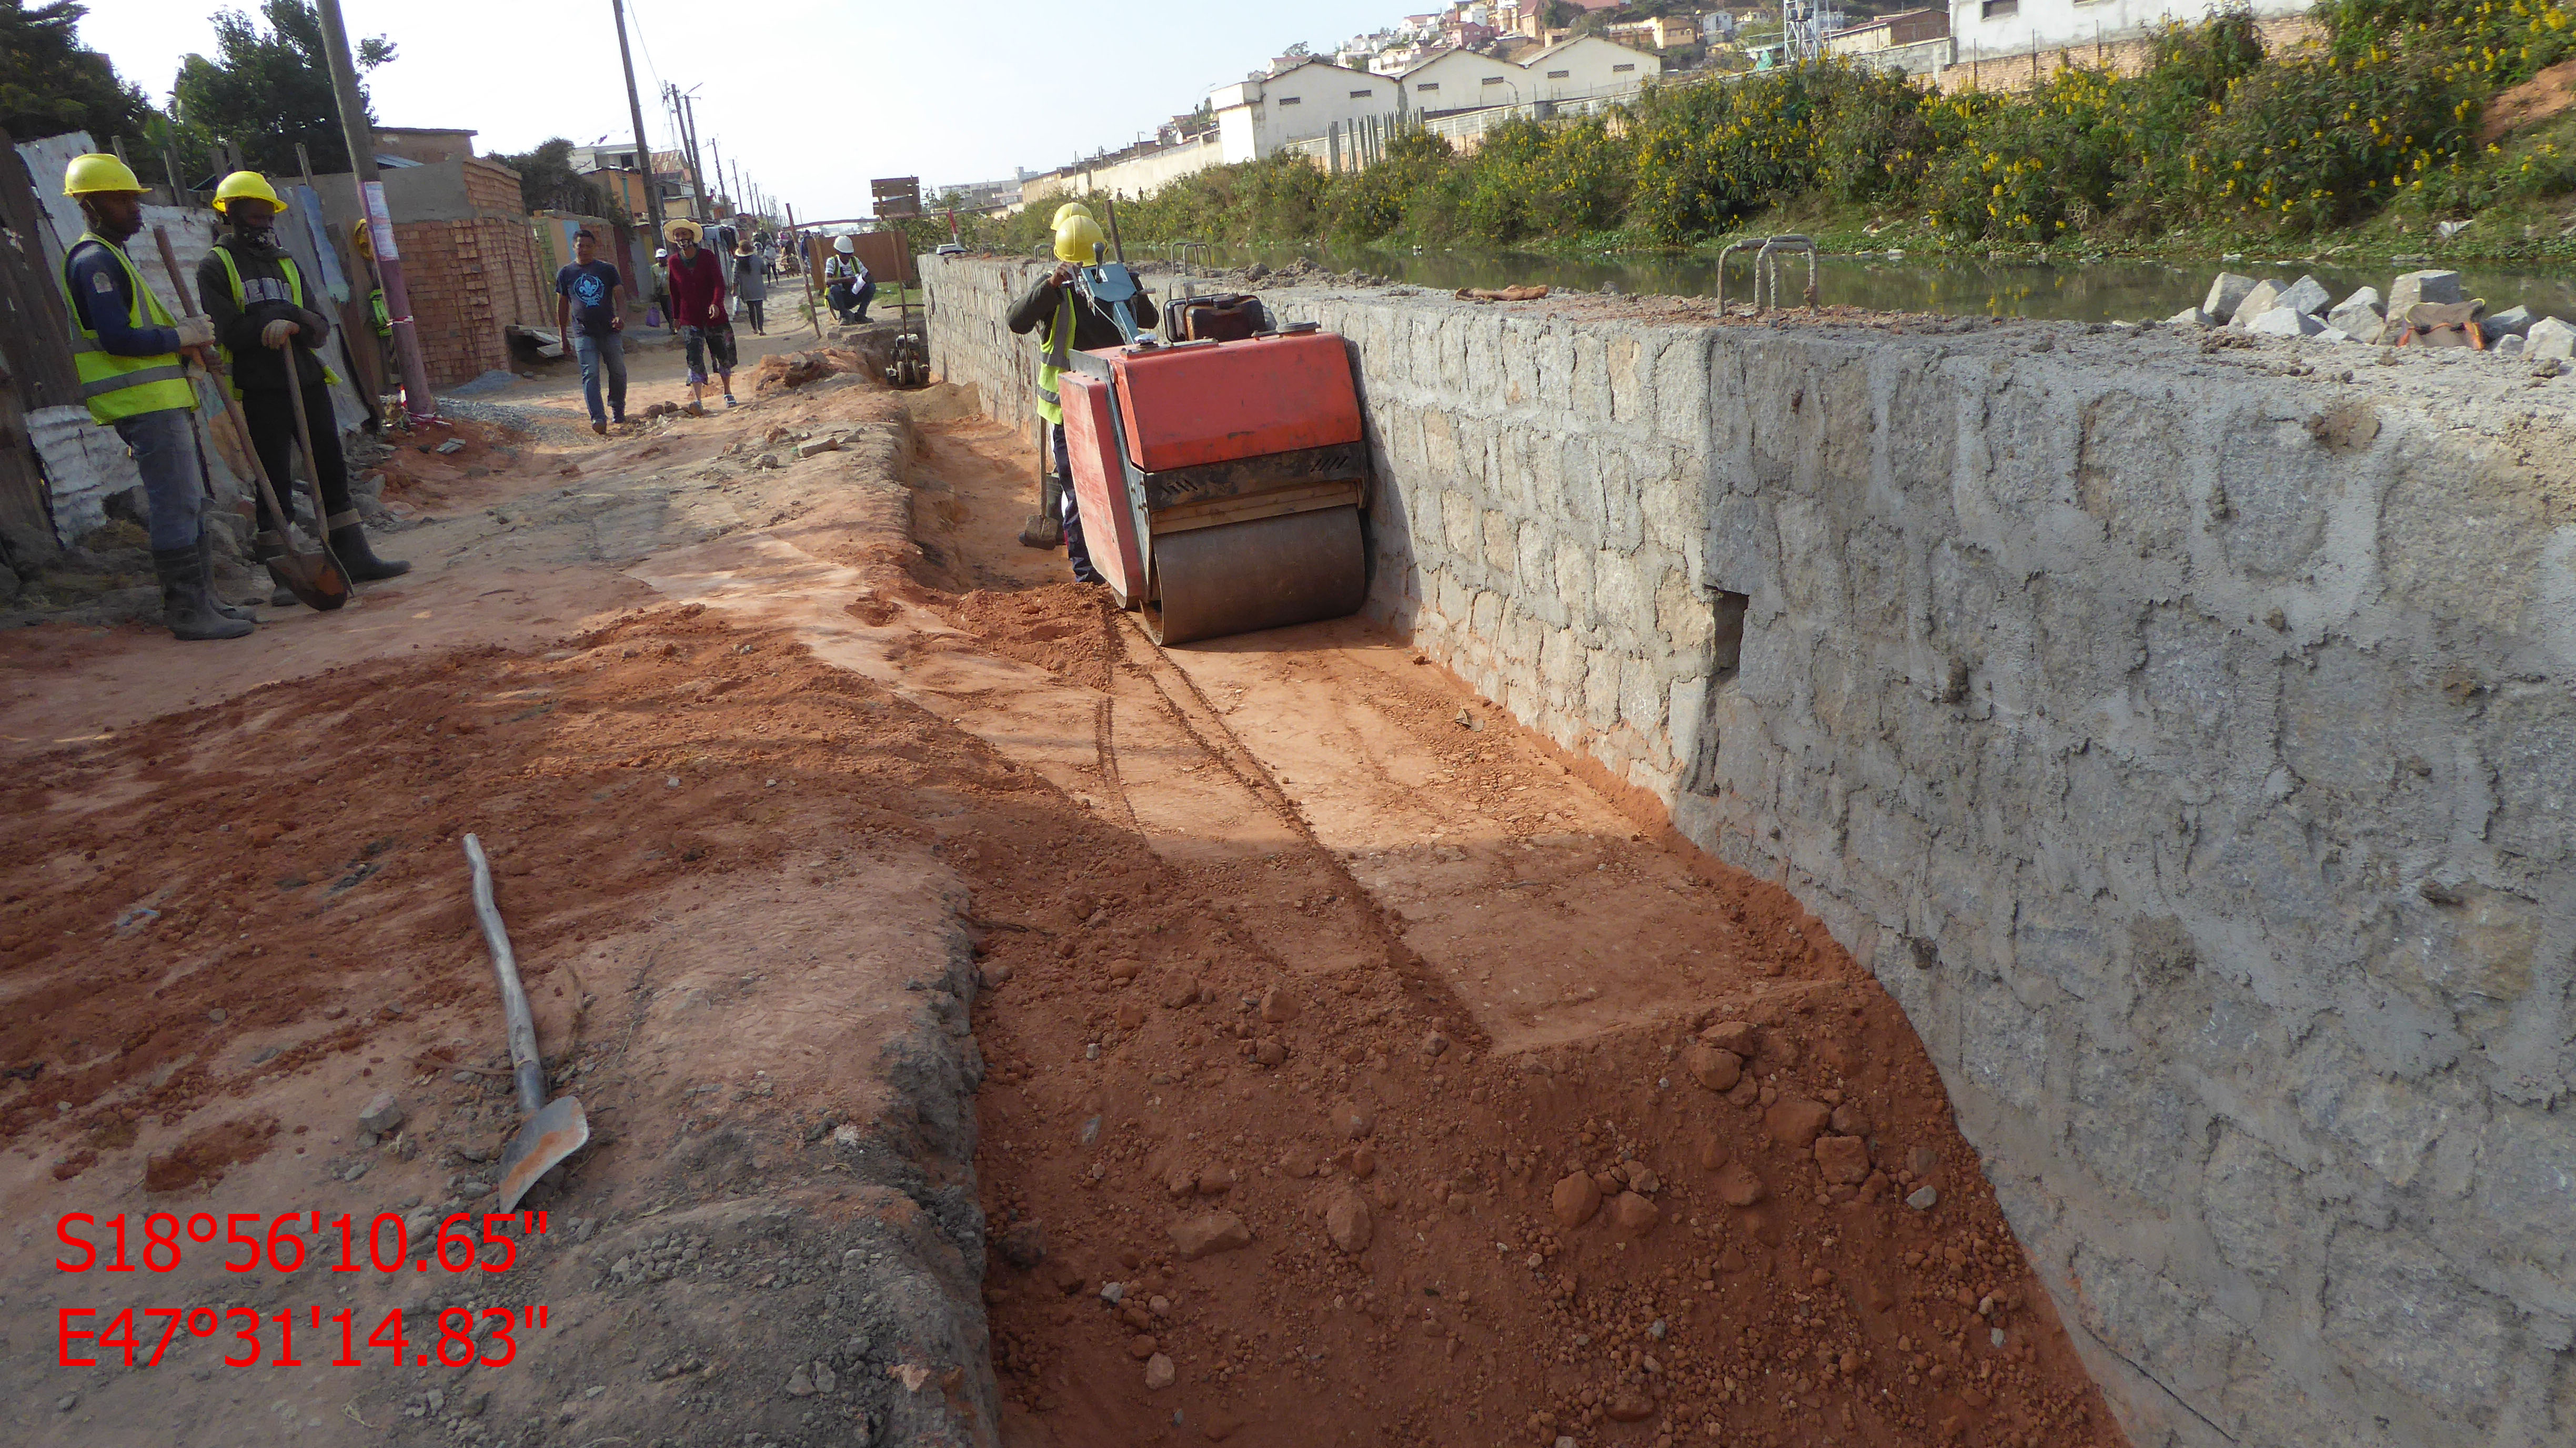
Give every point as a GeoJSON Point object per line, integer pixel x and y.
{"type": "Point", "coordinates": [1390, 1083]}
{"type": "Point", "coordinates": [2160, 733]}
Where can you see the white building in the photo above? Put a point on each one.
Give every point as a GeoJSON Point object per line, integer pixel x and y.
{"type": "Point", "coordinates": [1462, 80]}
{"type": "Point", "coordinates": [1254, 118]}
{"type": "Point", "coordinates": [1588, 66]}
{"type": "Point", "coordinates": [1987, 29]}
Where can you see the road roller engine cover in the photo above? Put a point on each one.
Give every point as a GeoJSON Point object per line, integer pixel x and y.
{"type": "Point", "coordinates": [1221, 483]}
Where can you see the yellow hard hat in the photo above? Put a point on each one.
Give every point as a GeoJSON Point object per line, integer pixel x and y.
{"type": "Point", "coordinates": [246, 186]}
{"type": "Point", "coordinates": [98, 171]}
{"type": "Point", "coordinates": [1070, 208]}
{"type": "Point", "coordinates": [1078, 240]}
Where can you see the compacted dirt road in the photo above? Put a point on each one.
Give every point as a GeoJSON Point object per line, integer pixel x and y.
{"type": "Point", "coordinates": [1276, 1042]}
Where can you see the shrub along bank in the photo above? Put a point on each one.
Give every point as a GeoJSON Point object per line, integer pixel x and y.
{"type": "Point", "coordinates": [2377, 122]}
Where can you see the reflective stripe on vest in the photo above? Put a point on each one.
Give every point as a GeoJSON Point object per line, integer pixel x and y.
{"type": "Point", "coordinates": [241, 302]}
{"type": "Point", "coordinates": [120, 387]}
{"type": "Point", "coordinates": [1054, 355]}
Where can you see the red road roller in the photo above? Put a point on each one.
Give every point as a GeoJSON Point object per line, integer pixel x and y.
{"type": "Point", "coordinates": [1220, 482]}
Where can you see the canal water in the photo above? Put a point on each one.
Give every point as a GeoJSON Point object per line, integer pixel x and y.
{"type": "Point", "coordinates": [2100, 291]}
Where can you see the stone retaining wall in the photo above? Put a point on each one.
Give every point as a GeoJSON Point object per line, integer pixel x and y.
{"type": "Point", "coordinates": [2189, 744]}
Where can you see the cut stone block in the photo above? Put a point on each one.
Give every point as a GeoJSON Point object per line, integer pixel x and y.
{"type": "Point", "coordinates": [2264, 297]}
{"type": "Point", "coordinates": [2285, 322]}
{"type": "Point", "coordinates": [2511, 322]}
{"type": "Point", "coordinates": [2550, 337]}
{"type": "Point", "coordinates": [2190, 317]}
{"type": "Point", "coordinates": [2358, 314]}
{"type": "Point", "coordinates": [2225, 293]}
{"type": "Point", "coordinates": [2307, 295]}
{"type": "Point", "coordinates": [2423, 286]}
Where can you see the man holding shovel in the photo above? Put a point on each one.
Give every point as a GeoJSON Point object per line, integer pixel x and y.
{"type": "Point", "coordinates": [257, 300]}
{"type": "Point", "coordinates": [126, 347]}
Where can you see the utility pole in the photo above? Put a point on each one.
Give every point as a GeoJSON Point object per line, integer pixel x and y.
{"type": "Point", "coordinates": [718, 152]}
{"type": "Point", "coordinates": [697, 164]}
{"type": "Point", "coordinates": [361, 137]}
{"type": "Point", "coordinates": [688, 147]}
{"type": "Point", "coordinates": [635, 112]}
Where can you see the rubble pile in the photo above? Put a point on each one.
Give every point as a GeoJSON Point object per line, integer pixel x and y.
{"type": "Point", "coordinates": [2422, 308]}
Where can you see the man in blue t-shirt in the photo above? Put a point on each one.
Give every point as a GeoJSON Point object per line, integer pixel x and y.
{"type": "Point", "coordinates": [590, 309]}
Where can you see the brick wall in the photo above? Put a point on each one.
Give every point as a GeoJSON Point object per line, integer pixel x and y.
{"type": "Point", "coordinates": [492, 186]}
{"type": "Point", "coordinates": [471, 279]}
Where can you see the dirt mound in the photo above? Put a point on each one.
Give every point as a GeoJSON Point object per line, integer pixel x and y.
{"type": "Point", "coordinates": [2537, 99]}
{"type": "Point", "coordinates": [781, 371]}
{"type": "Point", "coordinates": [1065, 628]}
{"type": "Point", "coordinates": [257, 870]}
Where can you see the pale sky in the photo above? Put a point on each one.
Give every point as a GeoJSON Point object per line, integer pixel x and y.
{"type": "Point", "coordinates": [810, 97]}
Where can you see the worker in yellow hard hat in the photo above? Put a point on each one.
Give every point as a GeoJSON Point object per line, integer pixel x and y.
{"type": "Point", "coordinates": [1067, 321]}
{"type": "Point", "coordinates": [125, 349]}
{"type": "Point", "coordinates": [271, 336]}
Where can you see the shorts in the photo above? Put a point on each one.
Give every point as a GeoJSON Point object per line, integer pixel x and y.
{"type": "Point", "coordinates": [708, 344]}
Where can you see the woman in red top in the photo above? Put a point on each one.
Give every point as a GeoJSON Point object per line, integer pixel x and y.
{"type": "Point", "coordinates": [698, 310]}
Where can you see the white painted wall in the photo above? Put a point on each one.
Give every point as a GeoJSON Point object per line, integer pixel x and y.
{"type": "Point", "coordinates": [1459, 80]}
{"type": "Point", "coordinates": [1256, 117]}
{"type": "Point", "coordinates": [1985, 28]}
{"type": "Point", "coordinates": [1593, 65]}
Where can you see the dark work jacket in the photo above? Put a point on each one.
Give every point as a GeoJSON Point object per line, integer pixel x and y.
{"type": "Point", "coordinates": [256, 367]}
{"type": "Point", "coordinates": [1093, 328]}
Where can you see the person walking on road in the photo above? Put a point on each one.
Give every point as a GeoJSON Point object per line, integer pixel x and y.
{"type": "Point", "coordinates": [125, 351]}
{"type": "Point", "coordinates": [847, 285]}
{"type": "Point", "coordinates": [590, 310]}
{"type": "Point", "coordinates": [658, 295]}
{"type": "Point", "coordinates": [751, 285]}
{"type": "Point", "coordinates": [698, 310]}
{"type": "Point", "coordinates": [256, 298]}
{"type": "Point", "coordinates": [1066, 322]}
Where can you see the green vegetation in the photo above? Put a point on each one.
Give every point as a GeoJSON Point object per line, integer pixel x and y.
{"type": "Point", "coordinates": [270, 89]}
{"type": "Point", "coordinates": [2364, 137]}
{"type": "Point", "coordinates": [49, 83]}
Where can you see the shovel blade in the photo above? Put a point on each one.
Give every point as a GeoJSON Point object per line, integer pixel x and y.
{"type": "Point", "coordinates": [313, 578]}
{"type": "Point", "coordinates": [1041, 531]}
{"type": "Point", "coordinates": [548, 1137]}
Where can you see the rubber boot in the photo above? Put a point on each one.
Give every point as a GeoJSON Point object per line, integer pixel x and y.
{"type": "Point", "coordinates": [206, 562]}
{"type": "Point", "coordinates": [187, 606]}
{"type": "Point", "coordinates": [349, 545]}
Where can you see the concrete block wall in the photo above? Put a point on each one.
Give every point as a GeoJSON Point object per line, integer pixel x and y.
{"type": "Point", "coordinates": [2187, 741]}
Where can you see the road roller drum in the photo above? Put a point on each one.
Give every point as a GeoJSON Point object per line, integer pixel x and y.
{"type": "Point", "coordinates": [1222, 485]}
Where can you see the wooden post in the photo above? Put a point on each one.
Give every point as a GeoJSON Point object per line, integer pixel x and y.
{"type": "Point", "coordinates": [813, 308]}
{"type": "Point", "coordinates": [26, 517]}
{"type": "Point", "coordinates": [35, 332]}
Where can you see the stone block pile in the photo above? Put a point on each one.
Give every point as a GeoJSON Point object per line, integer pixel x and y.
{"type": "Point", "coordinates": [2304, 308]}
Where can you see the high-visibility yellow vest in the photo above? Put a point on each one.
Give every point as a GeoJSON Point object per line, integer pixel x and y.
{"type": "Point", "coordinates": [119, 387]}
{"type": "Point", "coordinates": [241, 300]}
{"type": "Point", "coordinates": [1055, 353]}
